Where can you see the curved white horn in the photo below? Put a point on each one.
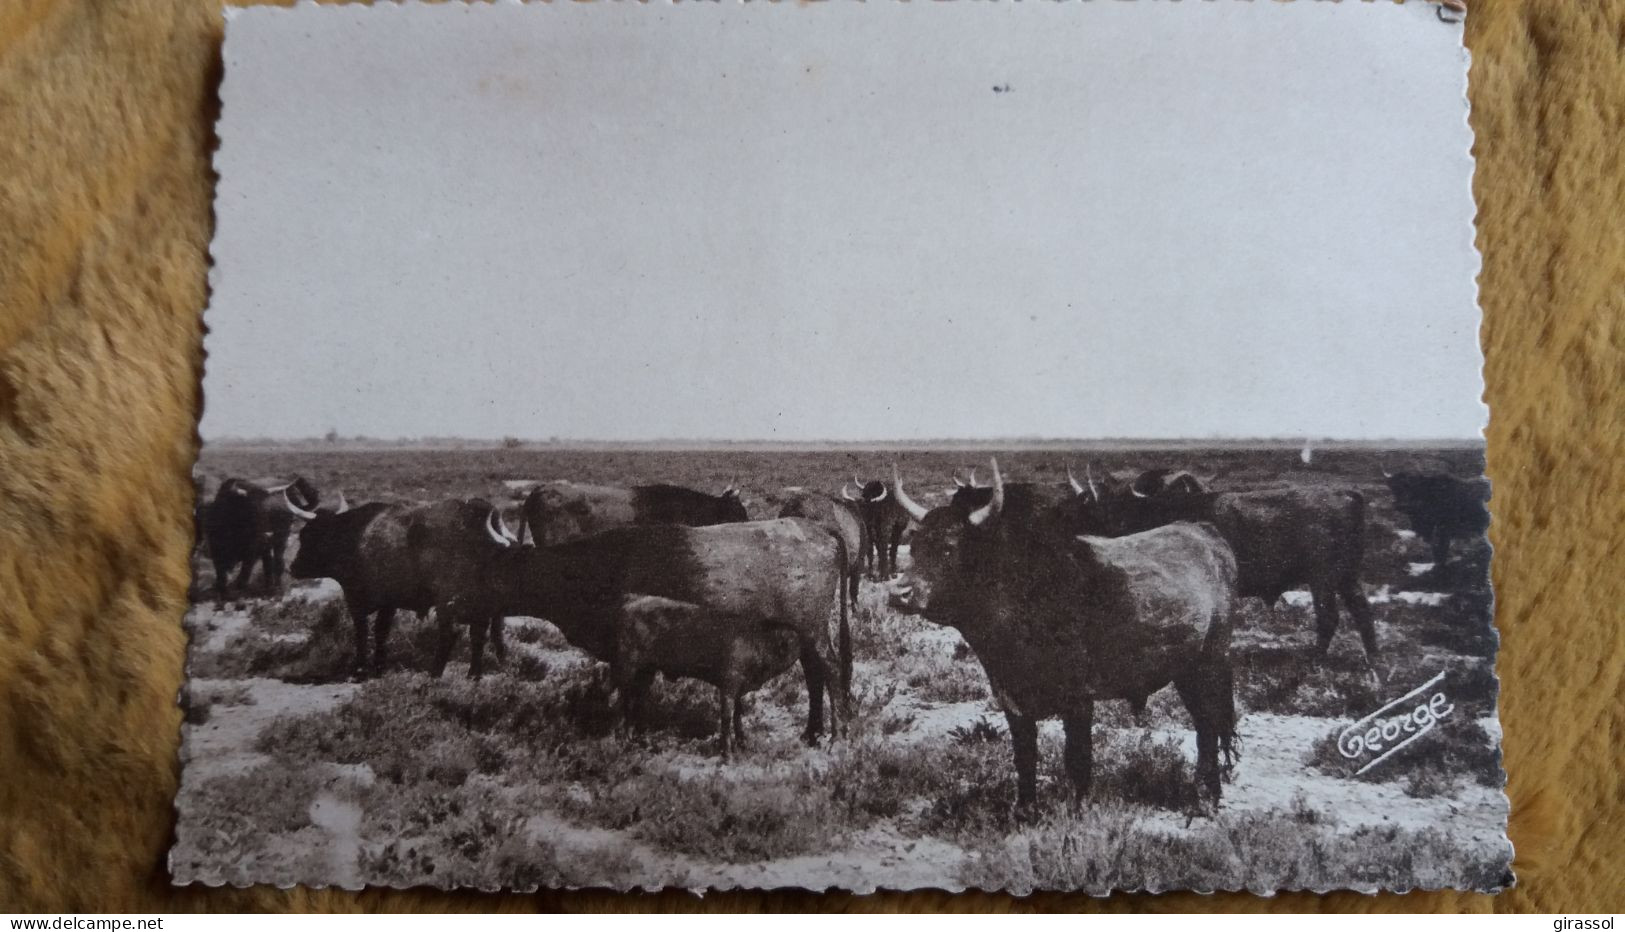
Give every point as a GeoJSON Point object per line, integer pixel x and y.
{"type": "Point", "coordinates": [1077, 487]}
{"type": "Point", "coordinates": [915, 509]}
{"type": "Point", "coordinates": [491, 521]}
{"type": "Point", "coordinates": [973, 477]}
{"type": "Point", "coordinates": [846, 494]}
{"type": "Point", "coordinates": [958, 482]}
{"type": "Point", "coordinates": [1089, 477]}
{"type": "Point", "coordinates": [295, 509]}
{"type": "Point", "coordinates": [344, 504]}
{"type": "Point", "coordinates": [990, 511]}
{"type": "Point", "coordinates": [881, 497]}
{"type": "Point", "coordinates": [1136, 492]}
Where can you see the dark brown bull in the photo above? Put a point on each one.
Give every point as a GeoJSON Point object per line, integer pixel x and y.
{"type": "Point", "coordinates": [1060, 621]}
{"type": "Point", "coordinates": [249, 523]}
{"type": "Point", "coordinates": [389, 557]}
{"type": "Point", "coordinates": [884, 522]}
{"type": "Point", "coordinates": [724, 600]}
{"type": "Point", "coordinates": [1441, 508]}
{"type": "Point", "coordinates": [1282, 538]}
{"type": "Point", "coordinates": [555, 512]}
{"type": "Point", "coordinates": [841, 518]}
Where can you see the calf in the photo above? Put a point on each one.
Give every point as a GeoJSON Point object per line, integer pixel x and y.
{"type": "Point", "coordinates": [743, 585]}
{"type": "Point", "coordinates": [388, 557]}
{"type": "Point", "coordinates": [734, 653]}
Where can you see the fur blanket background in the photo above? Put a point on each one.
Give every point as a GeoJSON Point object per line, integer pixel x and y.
{"type": "Point", "coordinates": [106, 116]}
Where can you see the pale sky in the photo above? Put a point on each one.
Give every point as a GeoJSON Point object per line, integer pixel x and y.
{"type": "Point", "coordinates": [791, 222]}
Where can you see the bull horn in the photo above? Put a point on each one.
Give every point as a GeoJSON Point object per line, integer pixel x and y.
{"type": "Point", "coordinates": [1133, 490]}
{"type": "Point", "coordinates": [491, 521]}
{"type": "Point", "coordinates": [1089, 476]}
{"type": "Point", "coordinates": [344, 504]}
{"type": "Point", "coordinates": [882, 496]}
{"type": "Point", "coordinates": [973, 477]}
{"type": "Point", "coordinates": [990, 512]}
{"type": "Point", "coordinates": [958, 482]}
{"type": "Point", "coordinates": [1384, 467]}
{"type": "Point", "coordinates": [1077, 487]}
{"type": "Point", "coordinates": [915, 509]}
{"type": "Point", "coordinates": [846, 494]}
{"type": "Point", "coordinates": [295, 509]}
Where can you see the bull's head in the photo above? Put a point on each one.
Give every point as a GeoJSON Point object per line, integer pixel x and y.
{"type": "Point", "coordinates": [1079, 489]}
{"type": "Point", "coordinates": [295, 510]}
{"type": "Point", "coordinates": [498, 529]}
{"type": "Point", "coordinates": [941, 560]}
{"type": "Point", "coordinates": [872, 492]}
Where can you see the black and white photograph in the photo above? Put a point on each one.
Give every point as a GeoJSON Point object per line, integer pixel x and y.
{"type": "Point", "coordinates": [857, 446]}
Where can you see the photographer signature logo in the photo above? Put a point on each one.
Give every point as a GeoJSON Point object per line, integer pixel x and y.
{"type": "Point", "coordinates": [1395, 725]}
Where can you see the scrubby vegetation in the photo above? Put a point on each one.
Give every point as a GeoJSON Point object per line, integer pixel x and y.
{"type": "Point", "coordinates": [528, 778]}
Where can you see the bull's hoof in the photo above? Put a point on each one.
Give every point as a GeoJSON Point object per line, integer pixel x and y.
{"type": "Point", "coordinates": [810, 738]}
{"type": "Point", "coordinates": [1025, 813]}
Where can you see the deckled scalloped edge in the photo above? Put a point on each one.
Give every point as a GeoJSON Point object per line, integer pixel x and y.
{"type": "Point", "coordinates": [214, 879]}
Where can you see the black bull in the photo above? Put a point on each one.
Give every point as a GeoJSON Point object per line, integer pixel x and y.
{"type": "Point", "coordinates": [1281, 538]}
{"type": "Point", "coordinates": [884, 521]}
{"type": "Point", "coordinates": [247, 523]}
{"type": "Point", "coordinates": [1060, 621]}
{"type": "Point", "coordinates": [555, 512]}
{"type": "Point", "coordinates": [390, 557]}
{"type": "Point", "coordinates": [732, 605]}
{"type": "Point", "coordinates": [1442, 508]}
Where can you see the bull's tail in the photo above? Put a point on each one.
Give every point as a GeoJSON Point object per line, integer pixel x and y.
{"type": "Point", "coordinates": [1229, 743]}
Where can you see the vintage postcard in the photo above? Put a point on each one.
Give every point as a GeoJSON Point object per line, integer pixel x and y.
{"type": "Point", "coordinates": [864, 446]}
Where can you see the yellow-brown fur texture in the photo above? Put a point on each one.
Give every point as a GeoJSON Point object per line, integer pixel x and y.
{"type": "Point", "coordinates": [106, 117]}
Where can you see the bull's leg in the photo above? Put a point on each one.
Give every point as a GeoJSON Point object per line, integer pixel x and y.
{"type": "Point", "coordinates": [1136, 705]}
{"type": "Point", "coordinates": [632, 686]}
{"type": "Point", "coordinates": [1325, 619]}
{"type": "Point", "coordinates": [852, 587]}
{"type": "Point", "coordinates": [1080, 750]}
{"type": "Point", "coordinates": [1201, 691]}
{"type": "Point", "coordinates": [358, 622]}
{"type": "Point", "coordinates": [739, 719]}
{"type": "Point", "coordinates": [476, 645]}
{"type": "Point", "coordinates": [727, 712]}
{"type": "Point", "coordinates": [1024, 742]}
{"type": "Point", "coordinates": [840, 690]}
{"type": "Point", "coordinates": [812, 668]}
{"type": "Point", "coordinates": [497, 641]}
{"type": "Point", "coordinates": [380, 637]}
{"type": "Point", "coordinates": [1354, 600]}
{"type": "Point", "coordinates": [222, 575]}
{"type": "Point", "coordinates": [1441, 551]}
{"type": "Point", "coordinates": [891, 553]}
{"type": "Point", "coordinates": [243, 576]}
{"type": "Point", "coordinates": [448, 640]}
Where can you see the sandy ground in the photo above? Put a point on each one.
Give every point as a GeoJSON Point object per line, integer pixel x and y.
{"type": "Point", "coordinates": [1271, 774]}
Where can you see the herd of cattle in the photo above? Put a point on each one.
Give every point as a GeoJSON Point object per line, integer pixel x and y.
{"type": "Point", "coordinates": [1067, 594]}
